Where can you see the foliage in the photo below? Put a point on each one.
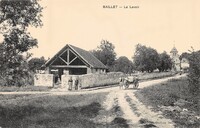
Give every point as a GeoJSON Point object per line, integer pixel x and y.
{"type": "Point", "coordinates": [194, 72]}
{"type": "Point", "coordinates": [184, 55]}
{"type": "Point", "coordinates": [166, 95]}
{"type": "Point", "coordinates": [165, 62]}
{"type": "Point", "coordinates": [17, 73]}
{"type": "Point", "coordinates": [36, 63]}
{"type": "Point", "coordinates": [145, 58]}
{"type": "Point", "coordinates": [123, 64]}
{"type": "Point", "coordinates": [105, 53]}
{"type": "Point", "coordinates": [15, 18]}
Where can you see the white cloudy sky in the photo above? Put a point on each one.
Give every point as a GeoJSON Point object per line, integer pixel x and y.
{"type": "Point", "coordinates": [84, 23]}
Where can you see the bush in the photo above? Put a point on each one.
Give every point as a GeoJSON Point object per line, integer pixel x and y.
{"type": "Point", "coordinates": [194, 73]}
{"type": "Point", "coordinates": [17, 79]}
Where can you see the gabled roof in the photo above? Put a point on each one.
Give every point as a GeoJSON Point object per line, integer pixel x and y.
{"type": "Point", "coordinates": [86, 56]}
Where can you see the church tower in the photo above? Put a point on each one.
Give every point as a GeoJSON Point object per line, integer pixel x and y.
{"type": "Point", "coordinates": [175, 59]}
{"type": "Point", "coordinates": [174, 52]}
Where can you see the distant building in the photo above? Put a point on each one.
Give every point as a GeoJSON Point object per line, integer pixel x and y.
{"type": "Point", "coordinates": [71, 60]}
{"type": "Point", "coordinates": [178, 64]}
{"type": "Point", "coordinates": [184, 64]}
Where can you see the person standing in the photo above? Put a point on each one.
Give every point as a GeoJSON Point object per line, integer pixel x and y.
{"type": "Point", "coordinates": [70, 83]}
{"type": "Point", "coordinates": [76, 83]}
{"type": "Point", "coordinates": [121, 83]}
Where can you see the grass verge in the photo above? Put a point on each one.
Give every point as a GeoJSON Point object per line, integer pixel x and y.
{"type": "Point", "coordinates": [165, 97]}
{"type": "Point", "coordinates": [51, 111]}
{"type": "Point", "coordinates": [59, 111]}
{"type": "Point", "coordinates": [155, 75]}
{"type": "Point", "coordinates": [23, 89]}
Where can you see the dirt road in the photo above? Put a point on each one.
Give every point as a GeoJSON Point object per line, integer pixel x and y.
{"type": "Point", "coordinates": [137, 114]}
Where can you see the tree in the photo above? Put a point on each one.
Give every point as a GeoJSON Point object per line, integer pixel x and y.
{"type": "Point", "coordinates": [123, 64]}
{"type": "Point", "coordinates": [105, 53]}
{"type": "Point", "coordinates": [184, 55]}
{"type": "Point", "coordinates": [36, 63]}
{"type": "Point", "coordinates": [145, 58]}
{"type": "Point", "coordinates": [194, 72]}
{"type": "Point", "coordinates": [165, 62]}
{"type": "Point", "coordinates": [15, 18]}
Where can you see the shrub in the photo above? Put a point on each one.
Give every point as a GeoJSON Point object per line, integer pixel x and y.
{"type": "Point", "coordinates": [16, 73]}
{"type": "Point", "coordinates": [194, 73]}
{"type": "Point", "coordinates": [17, 79]}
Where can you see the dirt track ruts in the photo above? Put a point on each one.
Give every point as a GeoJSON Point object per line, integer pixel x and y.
{"type": "Point", "coordinates": [133, 110]}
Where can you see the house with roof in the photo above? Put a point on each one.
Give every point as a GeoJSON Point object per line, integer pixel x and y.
{"type": "Point", "coordinates": [71, 60]}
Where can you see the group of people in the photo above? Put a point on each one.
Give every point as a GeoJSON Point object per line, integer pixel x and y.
{"type": "Point", "coordinates": [73, 86]}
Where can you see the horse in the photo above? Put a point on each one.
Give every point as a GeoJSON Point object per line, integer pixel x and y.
{"type": "Point", "coordinates": [125, 82]}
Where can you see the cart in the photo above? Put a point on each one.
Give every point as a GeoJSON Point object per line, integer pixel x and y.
{"type": "Point", "coordinates": [131, 80]}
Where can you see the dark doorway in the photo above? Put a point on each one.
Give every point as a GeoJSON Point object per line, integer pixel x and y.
{"type": "Point", "coordinates": [77, 71]}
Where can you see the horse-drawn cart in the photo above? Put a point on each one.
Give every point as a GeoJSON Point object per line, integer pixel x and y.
{"type": "Point", "coordinates": [127, 81]}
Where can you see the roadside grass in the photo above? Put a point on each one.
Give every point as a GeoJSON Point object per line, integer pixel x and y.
{"type": "Point", "coordinates": [23, 88]}
{"type": "Point", "coordinates": [155, 75]}
{"type": "Point", "coordinates": [166, 95]}
{"type": "Point", "coordinates": [13, 97]}
{"type": "Point", "coordinates": [58, 111]}
{"type": "Point", "coordinates": [51, 111]}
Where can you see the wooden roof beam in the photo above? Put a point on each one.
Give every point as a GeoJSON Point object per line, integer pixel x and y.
{"type": "Point", "coordinates": [73, 60]}
{"type": "Point", "coordinates": [68, 66]}
{"type": "Point", "coordinates": [64, 60]}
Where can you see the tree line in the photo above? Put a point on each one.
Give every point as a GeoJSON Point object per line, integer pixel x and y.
{"type": "Point", "coordinates": [144, 59]}
{"type": "Point", "coordinates": [148, 59]}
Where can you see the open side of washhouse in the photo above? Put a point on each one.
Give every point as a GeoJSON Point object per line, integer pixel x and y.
{"type": "Point", "coordinates": [71, 60]}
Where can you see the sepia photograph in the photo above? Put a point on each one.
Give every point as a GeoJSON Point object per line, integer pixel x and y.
{"type": "Point", "coordinates": [99, 64]}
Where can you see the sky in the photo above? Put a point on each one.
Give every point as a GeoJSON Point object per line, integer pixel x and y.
{"type": "Point", "coordinates": [159, 24]}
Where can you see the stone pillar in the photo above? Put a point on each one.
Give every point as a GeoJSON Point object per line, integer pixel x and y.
{"type": "Point", "coordinates": [66, 72]}
{"type": "Point", "coordinates": [89, 70]}
{"type": "Point", "coordinates": [47, 70]}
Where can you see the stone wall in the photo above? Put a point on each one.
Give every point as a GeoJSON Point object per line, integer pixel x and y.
{"type": "Point", "coordinates": [43, 80]}
{"type": "Point", "coordinates": [93, 79]}
{"type": "Point", "coordinates": [84, 81]}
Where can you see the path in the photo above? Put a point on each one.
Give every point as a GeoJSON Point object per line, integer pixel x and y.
{"type": "Point", "coordinates": [137, 114]}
